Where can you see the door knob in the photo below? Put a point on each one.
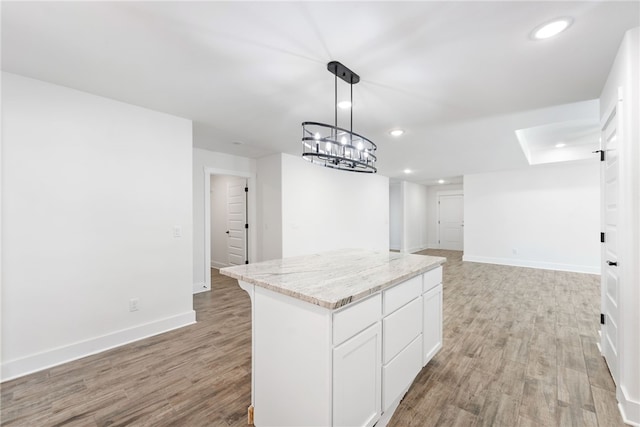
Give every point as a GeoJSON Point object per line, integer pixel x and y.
{"type": "Point", "coordinates": [612, 262]}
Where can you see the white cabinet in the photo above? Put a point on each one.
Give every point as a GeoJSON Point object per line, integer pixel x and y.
{"type": "Point", "coordinates": [432, 314]}
{"type": "Point", "coordinates": [351, 366]}
{"type": "Point", "coordinates": [402, 340]}
{"type": "Point", "coordinates": [398, 374]}
{"type": "Point", "coordinates": [356, 379]}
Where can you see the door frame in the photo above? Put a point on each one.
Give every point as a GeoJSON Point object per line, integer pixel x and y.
{"type": "Point", "coordinates": [447, 193]}
{"type": "Point", "coordinates": [251, 216]}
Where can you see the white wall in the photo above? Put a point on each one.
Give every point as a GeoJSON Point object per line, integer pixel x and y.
{"type": "Point", "coordinates": [625, 74]}
{"type": "Point", "coordinates": [414, 199]}
{"type": "Point", "coordinates": [326, 209]}
{"type": "Point", "coordinates": [269, 179]}
{"type": "Point", "coordinates": [92, 190]}
{"type": "Point", "coordinates": [205, 164]}
{"type": "Point", "coordinates": [395, 215]}
{"type": "Point", "coordinates": [549, 215]}
{"type": "Point", "coordinates": [432, 211]}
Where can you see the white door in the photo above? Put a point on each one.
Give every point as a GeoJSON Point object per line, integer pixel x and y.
{"type": "Point", "coordinates": [610, 282]}
{"type": "Point", "coordinates": [236, 221]}
{"type": "Point", "coordinates": [451, 222]}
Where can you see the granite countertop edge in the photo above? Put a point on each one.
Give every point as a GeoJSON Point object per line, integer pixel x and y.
{"type": "Point", "coordinates": [334, 304]}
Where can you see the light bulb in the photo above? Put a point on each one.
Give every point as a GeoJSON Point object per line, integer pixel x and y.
{"type": "Point", "coordinates": [360, 145]}
{"type": "Point", "coordinates": [551, 29]}
{"type": "Point", "coordinates": [328, 146]}
{"type": "Point", "coordinates": [343, 140]}
{"type": "Point", "coordinates": [317, 135]}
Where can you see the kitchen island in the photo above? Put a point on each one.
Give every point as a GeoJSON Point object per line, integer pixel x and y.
{"type": "Point", "coordinates": [338, 337]}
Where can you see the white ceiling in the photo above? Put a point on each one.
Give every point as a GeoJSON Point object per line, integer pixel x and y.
{"type": "Point", "coordinates": [459, 77]}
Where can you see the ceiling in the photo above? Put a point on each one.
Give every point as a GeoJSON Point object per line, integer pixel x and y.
{"type": "Point", "coordinates": [460, 77]}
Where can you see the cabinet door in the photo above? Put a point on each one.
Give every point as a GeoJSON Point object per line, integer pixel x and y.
{"type": "Point", "coordinates": [432, 328]}
{"type": "Point", "coordinates": [356, 379]}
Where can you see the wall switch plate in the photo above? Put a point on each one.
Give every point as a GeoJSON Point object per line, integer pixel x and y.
{"type": "Point", "coordinates": [133, 304]}
{"type": "Point", "coordinates": [177, 231]}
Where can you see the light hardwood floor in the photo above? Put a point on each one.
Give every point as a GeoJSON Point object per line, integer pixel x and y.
{"type": "Point", "coordinates": [519, 350]}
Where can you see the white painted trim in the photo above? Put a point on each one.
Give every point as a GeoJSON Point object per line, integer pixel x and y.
{"type": "Point", "coordinates": [36, 362]}
{"type": "Point", "coordinates": [533, 264]}
{"type": "Point", "coordinates": [218, 265]}
{"type": "Point", "coordinates": [200, 287]}
{"type": "Point", "coordinates": [629, 409]}
{"type": "Point", "coordinates": [459, 192]}
{"type": "Point", "coordinates": [252, 203]}
{"type": "Point", "coordinates": [417, 249]}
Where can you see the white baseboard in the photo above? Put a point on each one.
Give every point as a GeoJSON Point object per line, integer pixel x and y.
{"type": "Point", "coordinates": [417, 249]}
{"type": "Point", "coordinates": [218, 265]}
{"type": "Point", "coordinates": [629, 409]}
{"type": "Point", "coordinates": [532, 264]}
{"type": "Point", "coordinates": [200, 287]}
{"type": "Point", "coordinates": [17, 368]}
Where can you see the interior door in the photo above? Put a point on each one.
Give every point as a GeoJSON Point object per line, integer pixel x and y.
{"type": "Point", "coordinates": [610, 278]}
{"type": "Point", "coordinates": [451, 222]}
{"type": "Point", "coordinates": [236, 221]}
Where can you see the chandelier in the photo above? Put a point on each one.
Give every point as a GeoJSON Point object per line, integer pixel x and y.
{"type": "Point", "coordinates": [335, 147]}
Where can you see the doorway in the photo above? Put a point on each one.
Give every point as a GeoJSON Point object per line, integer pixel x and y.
{"type": "Point", "coordinates": [228, 237]}
{"type": "Point", "coordinates": [451, 220]}
{"type": "Point", "coordinates": [250, 218]}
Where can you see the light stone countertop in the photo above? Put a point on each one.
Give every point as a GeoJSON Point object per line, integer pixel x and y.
{"type": "Point", "coordinates": [334, 279]}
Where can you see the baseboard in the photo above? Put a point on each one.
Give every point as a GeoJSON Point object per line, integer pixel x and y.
{"type": "Point", "coordinates": [216, 264]}
{"type": "Point", "coordinates": [629, 409]}
{"type": "Point", "coordinates": [57, 356]}
{"type": "Point", "coordinates": [417, 249]}
{"type": "Point", "coordinates": [533, 264]}
{"type": "Point", "coordinates": [200, 287]}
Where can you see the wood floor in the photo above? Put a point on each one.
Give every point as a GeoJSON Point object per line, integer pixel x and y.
{"type": "Point", "coordinates": [519, 350]}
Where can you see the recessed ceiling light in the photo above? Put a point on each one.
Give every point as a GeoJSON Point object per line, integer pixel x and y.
{"type": "Point", "coordinates": [560, 145]}
{"type": "Point", "coordinates": [396, 132]}
{"type": "Point", "coordinates": [551, 29]}
{"type": "Point", "coordinates": [344, 104]}
{"type": "Point", "coordinates": [407, 171]}
{"type": "Point", "coordinates": [441, 181]}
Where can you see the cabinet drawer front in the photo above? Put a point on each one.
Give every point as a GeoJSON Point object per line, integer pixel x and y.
{"type": "Point", "coordinates": [399, 295]}
{"type": "Point", "coordinates": [398, 375]}
{"type": "Point", "coordinates": [432, 278]}
{"type": "Point", "coordinates": [400, 328]}
{"type": "Point", "coordinates": [355, 318]}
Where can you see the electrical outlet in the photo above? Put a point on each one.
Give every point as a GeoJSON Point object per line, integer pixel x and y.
{"type": "Point", "coordinates": [133, 304]}
{"type": "Point", "coordinates": [177, 231]}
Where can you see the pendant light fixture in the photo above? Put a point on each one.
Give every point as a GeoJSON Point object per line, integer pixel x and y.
{"type": "Point", "coordinates": [335, 147]}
